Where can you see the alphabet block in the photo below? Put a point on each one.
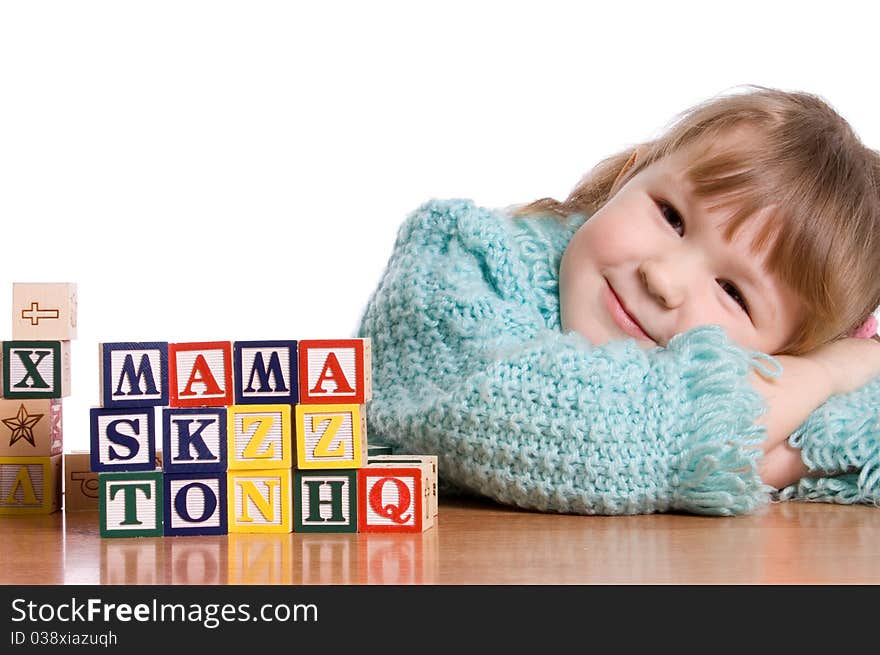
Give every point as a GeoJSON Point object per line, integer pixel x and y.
{"type": "Point", "coordinates": [30, 428]}
{"type": "Point", "coordinates": [44, 311]}
{"type": "Point", "coordinates": [36, 369]}
{"type": "Point", "coordinates": [394, 498]}
{"type": "Point", "coordinates": [194, 439]}
{"type": "Point", "coordinates": [259, 501]}
{"type": "Point", "coordinates": [325, 501]}
{"type": "Point", "coordinates": [200, 374]}
{"type": "Point", "coordinates": [80, 482]}
{"type": "Point", "coordinates": [335, 371]}
{"type": "Point", "coordinates": [259, 436]}
{"type": "Point", "coordinates": [330, 436]}
{"type": "Point", "coordinates": [195, 504]}
{"type": "Point", "coordinates": [123, 439]}
{"type": "Point", "coordinates": [134, 374]}
{"type": "Point", "coordinates": [265, 372]}
{"type": "Point", "coordinates": [131, 504]}
{"type": "Point", "coordinates": [30, 485]}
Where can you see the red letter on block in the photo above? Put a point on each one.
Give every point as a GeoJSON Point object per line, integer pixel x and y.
{"type": "Point", "coordinates": [200, 374]}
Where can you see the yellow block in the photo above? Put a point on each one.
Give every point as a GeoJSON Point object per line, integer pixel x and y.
{"type": "Point", "coordinates": [30, 485]}
{"type": "Point", "coordinates": [259, 500]}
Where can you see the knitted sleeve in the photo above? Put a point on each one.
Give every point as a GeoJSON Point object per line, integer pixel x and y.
{"type": "Point", "coordinates": [469, 363]}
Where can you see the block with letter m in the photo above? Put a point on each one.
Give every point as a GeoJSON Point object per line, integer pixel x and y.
{"type": "Point", "coordinates": [134, 374]}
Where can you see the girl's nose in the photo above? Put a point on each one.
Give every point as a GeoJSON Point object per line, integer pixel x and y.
{"type": "Point", "coordinates": [664, 281]}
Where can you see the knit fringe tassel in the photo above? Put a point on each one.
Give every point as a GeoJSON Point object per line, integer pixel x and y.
{"type": "Point", "coordinates": [717, 472]}
{"type": "Point", "coordinates": [847, 451]}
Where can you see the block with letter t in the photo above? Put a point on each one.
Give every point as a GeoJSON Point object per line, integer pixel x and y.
{"type": "Point", "coordinates": [335, 371]}
{"type": "Point", "coordinates": [134, 374]}
{"type": "Point", "coordinates": [265, 372]}
{"type": "Point", "coordinates": [325, 501]}
{"type": "Point", "coordinates": [200, 374]}
{"type": "Point", "coordinates": [131, 504]}
{"type": "Point", "coordinates": [36, 369]}
{"type": "Point", "coordinates": [123, 438]}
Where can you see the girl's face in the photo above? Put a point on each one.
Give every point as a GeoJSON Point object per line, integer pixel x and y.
{"type": "Point", "coordinates": [653, 263]}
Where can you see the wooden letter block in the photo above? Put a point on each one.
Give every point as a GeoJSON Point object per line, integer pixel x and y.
{"type": "Point", "coordinates": [194, 439]}
{"type": "Point", "coordinates": [44, 311]}
{"type": "Point", "coordinates": [195, 503]}
{"type": "Point", "coordinates": [30, 428]}
{"type": "Point", "coordinates": [335, 371]}
{"type": "Point", "coordinates": [123, 439]}
{"type": "Point", "coordinates": [427, 461]}
{"type": "Point", "coordinates": [259, 501]}
{"type": "Point", "coordinates": [325, 501]}
{"type": "Point", "coordinates": [200, 374]}
{"type": "Point", "coordinates": [36, 369]}
{"type": "Point", "coordinates": [30, 485]}
{"type": "Point", "coordinates": [134, 374]}
{"type": "Point", "coordinates": [265, 372]}
{"type": "Point", "coordinates": [131, 504]}
{"type": "Point", "coordinates": [80, 482]}
{"type": "Point", "coordinates": [259, 436]}
{"type": "Point", "coordinates": [394, 498]}
{"type": "Point", "coordinates": [330, 436]}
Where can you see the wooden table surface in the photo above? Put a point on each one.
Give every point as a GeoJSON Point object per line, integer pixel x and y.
{"type": "Point", "coordinates": [474, 542]}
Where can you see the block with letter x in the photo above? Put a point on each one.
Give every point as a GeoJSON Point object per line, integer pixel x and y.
{"type": "Point", "coordinates": [36, 369]}
{"type": "Point", "coordinates": [330, 436]}
{"type": "Point", "coordinates": [134, 374]}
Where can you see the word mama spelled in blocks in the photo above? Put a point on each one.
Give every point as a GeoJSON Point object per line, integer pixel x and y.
{"type": "Point", "coordinates": [35, 378]}
{"type": "Point", "coordinates": [257, 436]}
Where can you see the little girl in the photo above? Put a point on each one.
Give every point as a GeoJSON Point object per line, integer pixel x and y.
{"type": "Point", "coordinates": [678, 335]}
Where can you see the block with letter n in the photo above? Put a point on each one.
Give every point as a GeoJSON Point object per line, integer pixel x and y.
{"type": "Point", "coordinates": [36, 369]}
{"type": "Point", "coordinates": [259, 500]}
{"type": "Point", "coordinates": [335, 371]}
{"type": "Point", "coordinates": [330, 436]}
{"type": "Point", "coordinates": [200, 374]}
{"type": "Point", "coordinates": [134, 374]}
{"type": "Point", "coordinates": [30, 485]}
{"type": "Point", "coordinates": [123, 438]}
{"type": "Point", "coordinates": [325, 501]}
{"type": "Point", "coordinates": [394, 497]}
{"type": "Point", "coordinates": [131, 504]}
{"type": "Point", "coordinates": [265, 372]}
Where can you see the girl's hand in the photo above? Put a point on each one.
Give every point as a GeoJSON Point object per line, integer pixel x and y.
{"type": "Point", "coordinates": [849, 363]}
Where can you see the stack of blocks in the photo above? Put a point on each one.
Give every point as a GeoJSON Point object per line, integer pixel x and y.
{"type": "Point", "coordinates": [36, 376]}
{"type": "Point", "coordinates": [257, 436]}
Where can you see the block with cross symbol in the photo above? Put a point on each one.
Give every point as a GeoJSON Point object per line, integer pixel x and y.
{"type": "Point", "coordinates": [36, 369]}
{"type": "Point", "coordinates": [44, 311]}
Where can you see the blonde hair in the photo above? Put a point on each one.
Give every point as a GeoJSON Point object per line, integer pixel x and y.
{"type": "Point", "coordinates": [801, 160]}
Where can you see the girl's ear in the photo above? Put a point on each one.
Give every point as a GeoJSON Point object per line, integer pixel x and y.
{"type": "Point", "coordinates": [637, 155]}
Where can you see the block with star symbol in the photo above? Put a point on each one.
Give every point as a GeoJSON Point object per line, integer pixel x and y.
{"type": "Point", "coordinates": [45, 311]}
{"type": "Point", "coordinates": [30, 428]}
{"type": "Point", "coordinates": [30, 485]}
{"type": "Point", "coordinates": [36, 369]}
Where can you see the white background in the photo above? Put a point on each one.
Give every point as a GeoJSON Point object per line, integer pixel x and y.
{"type": "Point", "coordinates": [238, 170]}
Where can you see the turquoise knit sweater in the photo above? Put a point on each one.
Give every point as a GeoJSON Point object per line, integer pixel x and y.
{"type": "Point", "coordinates": [470, 363]}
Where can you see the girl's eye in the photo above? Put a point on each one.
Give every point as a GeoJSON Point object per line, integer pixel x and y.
{"type": "Point", "coordinates": [734, 293]}
{"type": "Point", "coordinates": [672, 216]}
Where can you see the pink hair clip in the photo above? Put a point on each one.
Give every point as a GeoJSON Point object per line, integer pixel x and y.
{"type": "Point", "coordinates": [867, 330]}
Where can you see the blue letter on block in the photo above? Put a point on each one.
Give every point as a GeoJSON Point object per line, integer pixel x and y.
{"type": "Point", "coordinates": [194, 439]}
{"type": "Point", "coordinates": [134, 374]}
{"type": "Point", "coordinates": [265, 372]}
{"type": "Point", "coordinates": [123, 439]}
{"type": "Point", "coordinates": [195, 504]}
